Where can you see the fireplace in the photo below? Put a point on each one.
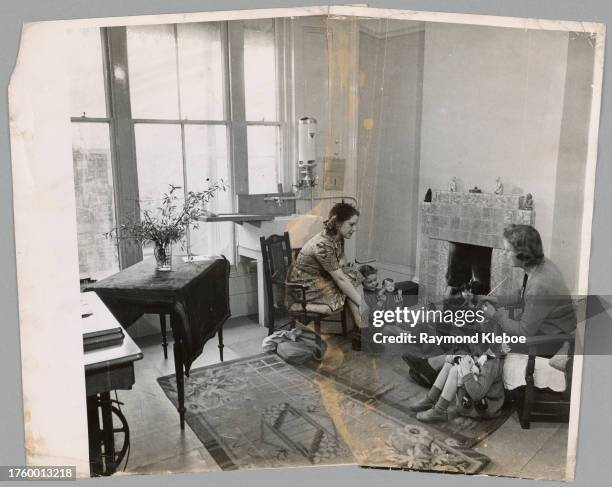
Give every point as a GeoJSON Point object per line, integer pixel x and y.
{"type": "Point", "coordinates": [467, 264]}
{"type": "Point", "coordinates": [477, 220]}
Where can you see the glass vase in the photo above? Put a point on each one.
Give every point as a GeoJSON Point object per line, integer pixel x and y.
{"type": "Point", "coordinates": [163, 256]}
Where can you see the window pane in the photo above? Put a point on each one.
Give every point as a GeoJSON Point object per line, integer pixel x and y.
{"type": "Point", "coordinates": [206, 154]}
{"type": "Point", "coordinates": [200, 55]}
{"type": "Point", "coordinates": [95, 204]}
{"type": "Point", "coordinates": [263, 159]}
{"type": "Point", "coordinates": [152, 67]}
{"type": "Point", "coordinates": [87, 79]}
{"type": "Point", "coordinates": [159, 164]}
{"type": "Point", "coordinates": [260, 83]}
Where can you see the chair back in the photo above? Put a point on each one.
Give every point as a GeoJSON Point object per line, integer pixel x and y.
{"type": "Point", "coordinates": [277, 257]}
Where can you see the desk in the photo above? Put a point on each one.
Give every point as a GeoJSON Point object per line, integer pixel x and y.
{"type": "Point", "coordinates": [194, 294]}
{"type": "Point", "coordinates": [301, 228]}
{"type": "Point", "coordinates": [106, 369]}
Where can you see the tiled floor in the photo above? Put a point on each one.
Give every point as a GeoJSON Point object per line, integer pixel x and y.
{"type": "Point", "coordinates": [159, 446]}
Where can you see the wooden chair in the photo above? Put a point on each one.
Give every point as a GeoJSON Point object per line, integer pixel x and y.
{"type": "Point", "coordinates": [277, 258]}
{"type": "Point", "coordinates": [544, 405]}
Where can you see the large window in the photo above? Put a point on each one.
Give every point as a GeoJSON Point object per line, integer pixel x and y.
{"type": "Point", "coordinates": [261, 105]}
{"type": "Point", "coordinates": [91, 150]}
{"type": "Point", "coordinates": [182, 139]}
{"type": "Point", "coordinates": [179, 105]}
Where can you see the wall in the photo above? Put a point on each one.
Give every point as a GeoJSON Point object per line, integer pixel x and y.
{"type": "Point", "coordinates": [492, 106]}
{"type": "Point", "coordinates": [569, 193]}
{"type": "Point", "coordinates": [325, 51]}
{"type": "Point", "coordinates": [311, 74]}
{"type": "Point", "coordinates": [390, 96]}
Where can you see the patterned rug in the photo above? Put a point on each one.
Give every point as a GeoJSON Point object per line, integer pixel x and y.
{"type": "Point", "coordinates": [260, 412]}
{"type": "Point", "coordinates": [384, 379]}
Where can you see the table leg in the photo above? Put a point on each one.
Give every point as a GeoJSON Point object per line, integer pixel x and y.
{"type": "Point", "coordinates": [261, 292]}
{"type": "Point", "coordinates": [96, 466]}
{"type": "Point", "coordinates": [180, 380]}
{"type": "Point", "coordinates": [162, 322]}
{"type": "Point", "coordinates": [317, 323]}
{"type": "Point", "coordinates": [108, 436]}
{"type": "Point", "coordinates": [220, 337]}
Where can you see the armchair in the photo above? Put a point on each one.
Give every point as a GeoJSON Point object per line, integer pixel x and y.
{"type": "Point", "coordinates": [534, 404]}
{"type": "Point", "coordinates": [277, 258]}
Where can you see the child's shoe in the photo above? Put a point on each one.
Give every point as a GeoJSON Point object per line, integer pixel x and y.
{"type": "Point", "coordinates": [423, 405]}
{"type": "Point", "coordinates": [433, 415]}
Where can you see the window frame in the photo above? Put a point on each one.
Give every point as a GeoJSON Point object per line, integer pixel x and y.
{"type": "Point", "coordinates": [122, 124]}
{"type": "Point", "coordinates": [183, 122]}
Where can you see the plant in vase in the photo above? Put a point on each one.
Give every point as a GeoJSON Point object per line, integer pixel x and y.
{"type": "Point", "coordinates": [168, 223]}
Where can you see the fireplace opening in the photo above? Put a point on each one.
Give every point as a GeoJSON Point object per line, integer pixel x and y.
{"type": "Point", "coordinates": [469, 266]}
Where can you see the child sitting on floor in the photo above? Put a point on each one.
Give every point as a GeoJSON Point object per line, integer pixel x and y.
{"type": "Point", "coordinates": [376, 297]}
{"type": "Point", "coordinates": [476, 387]}
{"type": "Point", "coordinates": [370, 285]}
{"type": "Point", "coordinates": [388, 293]}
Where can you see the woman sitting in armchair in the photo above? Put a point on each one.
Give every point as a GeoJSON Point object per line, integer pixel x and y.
{"type": "Point", "coordinates": [547, 306]}
{"type": "Point", "coordinates": [321, 270]}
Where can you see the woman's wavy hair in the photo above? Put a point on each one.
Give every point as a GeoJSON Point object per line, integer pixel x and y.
{"type": "Point", "coordinates": [527, 243]}
{"type": "Point", "coordinates": [338, 214]}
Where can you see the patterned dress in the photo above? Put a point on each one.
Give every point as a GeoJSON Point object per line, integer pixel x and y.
{"type": "Point", "coordinates": [321, 255]}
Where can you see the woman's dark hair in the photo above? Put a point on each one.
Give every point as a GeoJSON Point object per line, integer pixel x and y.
{"type": "Point", "coordinates": [338, 214]}
{"type": "Point", "coordinates": [526, 242]}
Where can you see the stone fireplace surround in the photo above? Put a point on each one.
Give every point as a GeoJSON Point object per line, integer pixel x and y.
{"type": "Point", "coordinates": [470, 218]}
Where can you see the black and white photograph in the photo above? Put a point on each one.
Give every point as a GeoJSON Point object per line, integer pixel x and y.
{"type": "Point", "coordinates": [304, 237]}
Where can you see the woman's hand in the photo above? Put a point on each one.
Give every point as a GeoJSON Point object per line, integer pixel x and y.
{"type": "Point", "coordinates": [487, 299]}
{"type": "Point", "coordinates": [482, 360]}
{"type": "Point", "coordinates": [346, 286]}
{"type": "Point", "coordinates": [489, 310]}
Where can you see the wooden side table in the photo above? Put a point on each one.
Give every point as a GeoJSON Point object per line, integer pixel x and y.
{"type": "Point", "coordinates": [194, 294]}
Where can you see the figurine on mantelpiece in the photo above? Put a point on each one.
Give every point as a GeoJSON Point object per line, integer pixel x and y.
{"type": "Point", "coordinates": [452, 185]}
{"type": "Point", "coordinates": [528, 205]}
{"type": "Point", "coordinates": [499, 187]}
{"type": "Point", "coordinates": [428, 196]}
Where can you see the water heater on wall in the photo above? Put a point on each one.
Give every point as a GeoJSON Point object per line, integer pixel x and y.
{"type": "Point", "coordinates": [307, 135]}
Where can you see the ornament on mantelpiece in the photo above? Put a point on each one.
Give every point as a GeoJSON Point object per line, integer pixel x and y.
{"type": "Point", "coordinates": [428, 196]}
{"type": "Point", "coordinates": [499, 187]}
{"type": "Point", "coordinates": [452, 185]}
{"type": "Point", "coordinates": [528, 205]}
{"type": "Point", "coordinates": [475, 189]}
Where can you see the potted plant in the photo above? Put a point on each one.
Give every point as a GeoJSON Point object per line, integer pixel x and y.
{"type": "Point", "coordinates": [169, 222]}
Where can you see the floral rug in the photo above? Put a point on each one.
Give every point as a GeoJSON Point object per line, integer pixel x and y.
{"type": "Point", "coordinates": [260, 412]}
{"type": "Point", "coordinates": [384, 379]}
